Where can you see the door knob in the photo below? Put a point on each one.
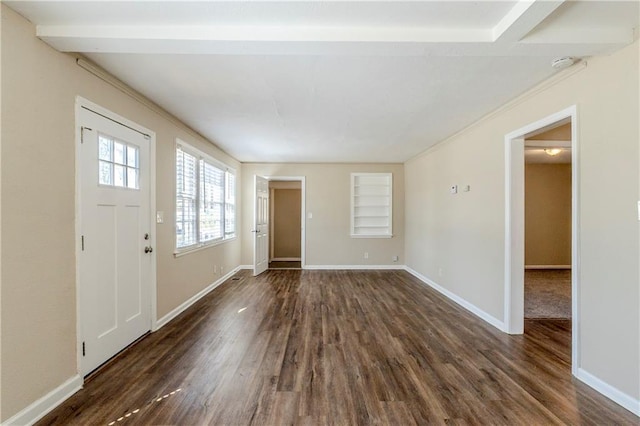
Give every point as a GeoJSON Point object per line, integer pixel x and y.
{"type": "Point", "coordinates": [148, 249]}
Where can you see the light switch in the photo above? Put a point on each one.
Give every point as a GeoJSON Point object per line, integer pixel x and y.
{"type": "Point", "coordinates": [466, 188]}
{"type": "Point", "coordinates": [159, 217]}
{"type": "Point", "coordinates": [310, 215]}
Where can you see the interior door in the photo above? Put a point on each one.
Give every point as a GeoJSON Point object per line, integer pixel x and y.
{"type": "Point", "coordinates": [261, 226]}
{"type": "Point", "coordinates": [115, 257]}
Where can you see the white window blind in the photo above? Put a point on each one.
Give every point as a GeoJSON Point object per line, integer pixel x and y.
{"type": "Point", "coordinates": [371, 205]}
{"type": "Point", "coordinates": [205, 199]}
{"type": "Point", "coordinates": [230, 206]}
{"type": "Point", "coordinates": [212, 201]}
{"type": "Point", "coordinates": [186, 200]}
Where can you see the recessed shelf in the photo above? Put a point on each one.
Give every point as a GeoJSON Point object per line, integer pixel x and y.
{"type": "Point", "coordinates": [371, 201]}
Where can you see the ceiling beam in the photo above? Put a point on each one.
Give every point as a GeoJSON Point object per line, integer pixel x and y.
{"type": "Point", "coordinates": [512, 36]}
{"type": "Point", "coordinates": [523, 18]}
{"type": "Point", "coordinates": [107, 38]}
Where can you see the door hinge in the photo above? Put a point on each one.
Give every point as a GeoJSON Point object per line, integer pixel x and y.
{"type": "Point", "coordinates": [82, 129]}
{"type": "Point", "coordinates": [84, 352]}
{"type": "Point", "coordinates": [82, 239]}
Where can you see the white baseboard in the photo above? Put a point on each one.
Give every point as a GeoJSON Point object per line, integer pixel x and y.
{"type": "Point", "coordinates": [245, 267]}
{"type": "Point", "coordinates": [459, 300]}
{"type": "Point", "coordinates": [356, 267]}
{"type": "Point", "coordinates": [184, 306]}
{"type": "Point", "coordinates": [286, 259]}
{"type": "Point", "coordinates": [44, 405]}
{"type": "Point", "coordinates": [547, 266]}
{"type": "Point", "coordinates": [610, 392]}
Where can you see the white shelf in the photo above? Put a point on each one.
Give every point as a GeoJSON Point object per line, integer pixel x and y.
{"type": "Point", "coordinates": [371, 205]}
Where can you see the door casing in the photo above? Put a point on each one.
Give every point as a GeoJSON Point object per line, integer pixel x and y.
{"type": "Point", "coordinates": [79, 105]}
{"type": "Point", "coordinates": [303, 213]}
{"type": "Point", "coordinates": [514, 228]}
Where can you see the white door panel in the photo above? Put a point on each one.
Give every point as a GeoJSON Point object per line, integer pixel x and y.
{"type": "Point", "coordinates": [115, 271]}
{"type": "Point", "coordinates": [261, 226]}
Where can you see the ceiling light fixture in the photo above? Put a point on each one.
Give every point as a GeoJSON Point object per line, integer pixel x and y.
{"type": "Point", "coordinates": [563, 62]}
{"type": "Point", "coordinates": [552, 151]}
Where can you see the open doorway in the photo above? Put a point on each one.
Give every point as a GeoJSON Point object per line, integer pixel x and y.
{"type": "Point", "coordinates": [514, 289]}
{"type": "Point", "coordinates": [286, 244]}
{"type": "Point", "coordinates": [547, 253]}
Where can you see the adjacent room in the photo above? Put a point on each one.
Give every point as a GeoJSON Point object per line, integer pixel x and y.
{"type": "Point", "coordinates": [548, 228]}
{"type": "Point", "coordinates": [319, 212]}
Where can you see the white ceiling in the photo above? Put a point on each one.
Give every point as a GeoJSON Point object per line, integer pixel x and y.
{"type": "Point", "coordinates": [331, 81]}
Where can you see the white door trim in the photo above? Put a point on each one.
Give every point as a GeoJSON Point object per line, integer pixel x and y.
{"type": "Point", "coordinates": [303, 212]}
{"type": "Point", "coordinates": [79, 105]}
{"type": "Point", "coordinates": [514, 228]}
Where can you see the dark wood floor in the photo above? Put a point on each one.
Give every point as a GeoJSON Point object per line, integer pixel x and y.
{"type": "Point", "coordinates": [284, 264]}
{"type": "Point", "coordinates": [340, 348]}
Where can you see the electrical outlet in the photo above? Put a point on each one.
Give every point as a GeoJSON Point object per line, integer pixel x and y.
{"type": "Point", "coordinates": [440, 272]}
{"type": "Point", "coordinates": [394, 258]}
{"type": "Point", "coordinates": [366, 254]}
{"type": "Point", "coordinates": [453, 189]}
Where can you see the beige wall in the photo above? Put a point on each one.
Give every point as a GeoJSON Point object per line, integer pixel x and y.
{"type": "Point", "coordinates": [464, 234]}
{"type": "Point", "coordinates": [285, 184]}
{"type": "Point", "coordinates": [547, 204]}
{"type": "Point", "coordinates": [560, 133]}
{"type": "Point", "coordinates": [38, 312]}
{"type": "Point", "coordinates": [286, 222]}
{"type": "Point", "coordinates": [328, 240]}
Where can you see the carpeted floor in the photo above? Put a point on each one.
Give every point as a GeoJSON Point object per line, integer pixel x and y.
{"type": "Point", "coordinates": [547, 293]}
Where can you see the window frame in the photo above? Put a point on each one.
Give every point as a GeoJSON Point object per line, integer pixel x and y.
{"type": "Point", "coordinates": [228, 171]}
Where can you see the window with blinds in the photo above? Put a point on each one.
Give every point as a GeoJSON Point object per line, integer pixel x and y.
{"type": "Point", "coordinates": [205, 199]}
{"type": "Point", "coordinates": [186, 199]}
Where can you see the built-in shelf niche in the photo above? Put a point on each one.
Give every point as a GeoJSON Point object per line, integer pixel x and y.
{"type": "Point", "coordinates": [371, 205]}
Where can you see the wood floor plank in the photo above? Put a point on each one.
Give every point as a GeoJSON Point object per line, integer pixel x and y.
{"type": "Point", "coordinates": [306, 347]}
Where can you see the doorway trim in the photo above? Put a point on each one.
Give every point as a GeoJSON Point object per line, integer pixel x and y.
{"type": "Point", "coordinates": [514, 227]}
{"type": "Point", "coordinates": [79, 105]}
{"type": "Point", "coordinates": [303, 212]}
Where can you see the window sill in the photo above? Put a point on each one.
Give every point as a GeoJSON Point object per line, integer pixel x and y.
{"type": "Point", "coordinates": [189, 250]}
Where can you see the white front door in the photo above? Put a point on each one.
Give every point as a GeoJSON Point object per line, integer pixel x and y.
{"type": "Point", "coordinates": [261, 226]}
{"type": "Point", "coordinates": [115, 257]}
